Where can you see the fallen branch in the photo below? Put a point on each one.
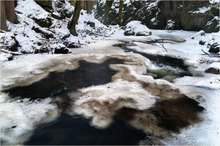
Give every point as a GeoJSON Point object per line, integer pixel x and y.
{"type": "Point", "coordinates": [10, 52]}
{"type": "Point", "coordinates": [206, 53]}
{"type": "Point", "coordinates": [163, 46]}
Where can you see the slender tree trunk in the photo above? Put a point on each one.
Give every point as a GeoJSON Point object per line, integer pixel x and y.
{"type": "Point", "coordinates": [88, 5]}
{"type": "Point", "coordinates": [3, 17]}
{"type": "Point", "coordinates": [72, 2]}
{"type": "Point", "coordinates": [108, 5]}
{"type": "Point", "coordinates": [120, 16]}
{"type": "Point", "coordinates": [75, 17]}
{"type": "Point", "coordinates": [10, 11]}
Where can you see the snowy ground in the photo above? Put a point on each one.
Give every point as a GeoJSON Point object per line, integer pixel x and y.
{"type": "Point", "coordinates": [19, 117]}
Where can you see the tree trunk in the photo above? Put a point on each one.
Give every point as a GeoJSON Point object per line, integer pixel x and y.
{"type": "Point", "coordinates": [3, 17]}
{"type": "Point", "coordinates": [10, 11]}
{"type": "Point", "coordinates": [108, 5]}
{"type": "Point", "coordinates": [88, 5]}
{"type": "Point", "coordinates": [75, 17]}
{"type": "Point", "coordinates": [72, 2]}
{"type": "Point", "coordinates": [120, 18]}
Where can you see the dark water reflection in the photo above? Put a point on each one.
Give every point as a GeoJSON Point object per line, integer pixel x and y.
{"type": "Point", "coordinates": [158, 59]}
{"type": "Point", "coordinates": [68, 130]}
{"type": "Point", "coordinates": [55, 83]}
{"type": "Point", "coordinates": [71, 130]}
{"type": "Point", "coordinates": [171, 114]}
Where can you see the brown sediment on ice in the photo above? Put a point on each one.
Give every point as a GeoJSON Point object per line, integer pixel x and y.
{"type": "Point", "coordinates": [155, 106]}
{"type": "Point", "coordinates": [108, 86]}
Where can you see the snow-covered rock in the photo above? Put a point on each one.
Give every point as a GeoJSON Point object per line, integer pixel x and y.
{"type": "Point", "coordinates": [137, 29]}
{"type": "Point", "coordinates": [213, 68]}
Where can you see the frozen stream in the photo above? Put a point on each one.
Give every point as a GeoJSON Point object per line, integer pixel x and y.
{"type": "Point", "coordinates": [110, 94]}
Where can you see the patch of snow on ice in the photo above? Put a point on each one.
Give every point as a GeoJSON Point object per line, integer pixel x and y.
{"type": "Point", "coordinates": [20, 117]}
{"type": "Point", "coordinates": [204, 133]}
{"type": "Point", "coordinates": [215, 65]}
{"type": "Point", "coordinates": [209, 82]}
{"type": "Point", "coordinates": [117, 94]}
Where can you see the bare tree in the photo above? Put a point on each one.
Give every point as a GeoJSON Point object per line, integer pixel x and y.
{"type": "Point", "coordinates": [8, 13]}
{"type": "Point", "coordinates": [108, 5]}
{"type": "Point", "coordinates": [75, 18]}
{"type": "Point", "coordinates": [88, 5]}
{"type": "Point", "coordinates": [3, 17]}
{"type": "Point", "coordinates": [120, 16]}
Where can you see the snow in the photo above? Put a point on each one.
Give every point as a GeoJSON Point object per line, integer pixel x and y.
{"type": "Point", "coordinates": [215, 65]}
{"type": "Point", "coordinates": [170, 24]}
{"type": "Point", "coordinates": [118, 92]}
{"type": "Point", "coordinates": [137, 27]}
{"type": "Point", "coordinates": [29, 40]}
{"type": "Point", "coordinates": [202, 82]}
{"type": "Point", "coordinates": [207, 85]}
{"type": "Point", "coordinates": [5, 56]}
{"type": "Point", "coordinates": [20, 117]}
{"type": "Point", "coordinates": [214, 1]}
{"type": "Point", "coordinates": [206, 132]}
{"type": "Point", "coordinates": [202, 10]}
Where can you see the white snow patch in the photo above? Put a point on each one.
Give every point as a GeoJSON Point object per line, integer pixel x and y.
{"type": "Point", "coordinates": [5, 56]}
{"type": "Point", "coordinates": [118, 94]}
{"type": "Point", "coordinates": [20, 117]}
{"type": "Point", "coordinates": [137, 27]}
{"type": "Point", "coordinates": [212, 82]}
{"type": "Point", "coordinates": [215, 65]}
{"type": "Point", "coordinates": [214, 1]}
{"type": "Point", "coordinates": [170, 24]}
{"type": "Point", "coordinates": [202, 10]}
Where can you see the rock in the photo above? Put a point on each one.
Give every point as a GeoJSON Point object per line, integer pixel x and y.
{"type": "Point", "coordinates": [215, 10]}
{"type": "Point", "coordinates": [187, 15]}
{"type": "Point", "coordinates": [6, 56]}
{"type": "Point", "coordinates": [46, 4]}
{"type": "Point", "coordinates": [170, 24]}
{"type": "Point", "coordinates": [91, 24]}
{"type": "Point", "coordinates": [43, 22]}
{"type": "Point", "coordinates": [212, 70]}
{"type": "Point", "coordinates": [136, 28]}
{"type": "Point", "coordinates": [169, 78]}
{"type": "Point", "coordinates": [59, 49]}
{"type": "Point", "coordinates": [63, 9]}
{"type": "Point", "coordinates": [128, 32]}
{"type": "Point", "coordinates": [202, 42]}
{"type": "Point", "coordinates": [8, 41]}
{"type": "Point", "coordinates": [57, 16]}
{"type": "Point", "coordinates": [71, 45]}
{"type": "Point", "coordinates": [68, 13]}
{"type": "Point", "coordinates": [212, 25]}
{"type": "Point", "coordinates": [45, 33]}
{"type": "Point", "coordinates": [202, 33]}
{"type": "Point", "coordinates": [214, 48]}
{"type": "Point", "coordinates": [43, 49]}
